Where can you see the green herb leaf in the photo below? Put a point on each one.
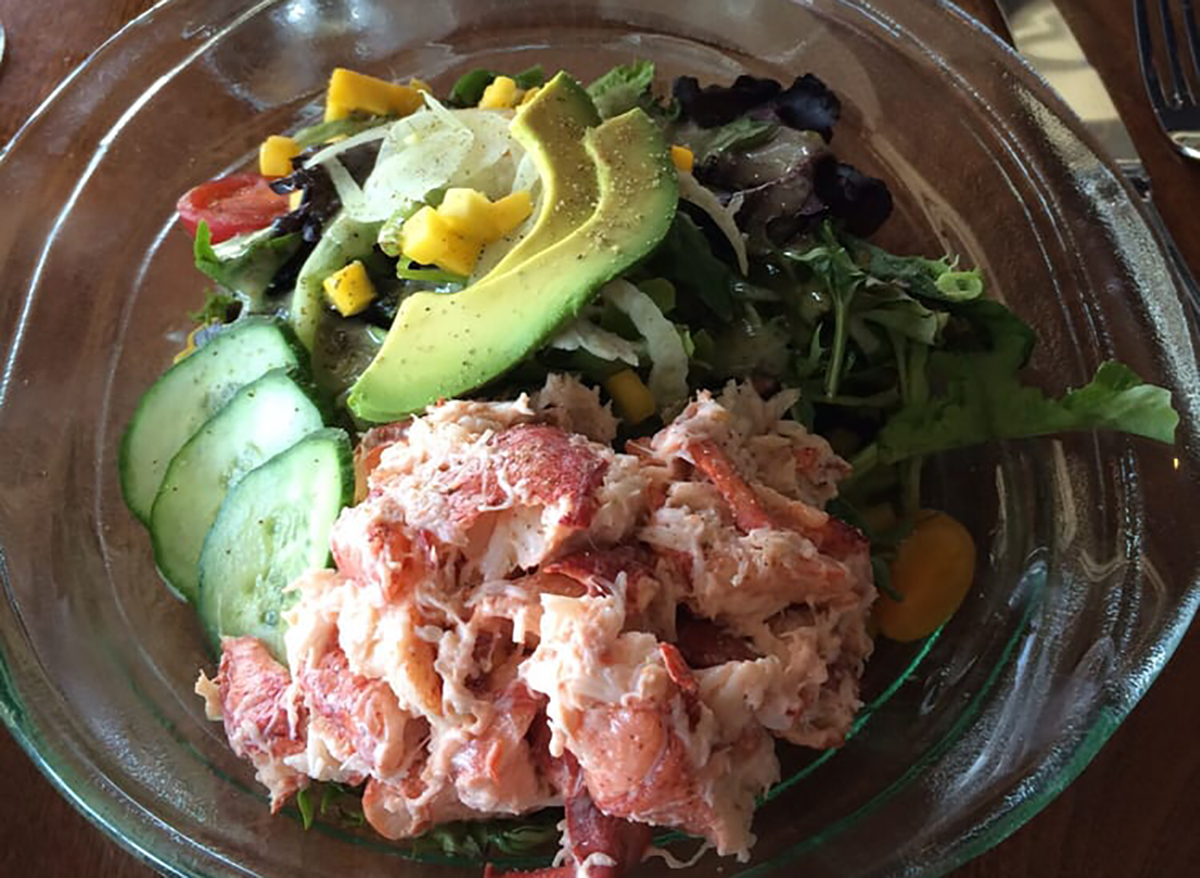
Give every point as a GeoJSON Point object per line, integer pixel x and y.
{"type": "Point", "coordinates": [531, 77]}
{"type": "Point", "coordinates": [405, 271]}
{"type": "Point", "coordinates": [323, 132]}
{"type": "Point", "coordinates": [685, 259]}
{"type": "Point", "coordinates": [217, 308]}
{"type": "Point", "coordinates": [305, 804]}
{"type": "Point", "coordinates": [621, 89]}
{"type": "Point", "coordinates": [739, 135]}
{"type": "Point", "coordinates": [936, 279]}
{"type": "Point", "coordinates": [244, 265]}
{"type": "Point", "coordinates": [984, 398]}
{"type": "Point", "coordinates": [477, 840]}
{"type": "Point", "coordinates": [469, 88]}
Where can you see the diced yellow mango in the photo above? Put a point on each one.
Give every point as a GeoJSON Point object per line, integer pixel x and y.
{"type": "Point", "coordinates": [351, 92]}
{"type": "Point", "coordinates": [683, 158]}
{"type": "Point", "coordinates": [276, 154]}
{"type": "Point", "coordinates": [420, 85]}
{"type": "Point", "coordinates": [349, 289]}
{"type": "Point", "coordinates": [631, 396]}
{"type": "Point", "coordinates": [530, 94]}
{"type": "Point", "coordinates": [295, 199]}
{"type": "Point", "coordinates": [468, 213]}
{"type": "Point", "coordinates": [427, 238]}
{"type": "Point", "coordinates": [501, 94]}
{"type": "Point", "coordinates": [509, 212]}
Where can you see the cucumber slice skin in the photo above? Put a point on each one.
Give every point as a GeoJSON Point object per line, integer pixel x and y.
{"type": "Point", "coordinates": [191, 392]}
{"type": "Point", "coordinates": [273, 526]}
{"type": "Point", "coordinates": [264, 418]}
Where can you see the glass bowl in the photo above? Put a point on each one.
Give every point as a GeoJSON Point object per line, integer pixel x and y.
{"type": "Point", "coordinates": [1087, 579]}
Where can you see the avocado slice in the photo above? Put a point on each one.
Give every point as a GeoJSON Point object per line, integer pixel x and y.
{"type": "Point", "coordinates": [443, 345]}
{"type": "Point", "coordinates": [551, 128]}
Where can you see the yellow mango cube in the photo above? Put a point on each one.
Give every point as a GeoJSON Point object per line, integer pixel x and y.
{"type": "Point", "coordinates": [683, 158]}
{"type": "Point", "coordinates": [509, 212]}
{"type": "Point", "coordinates": [501, 94]}
{"type": "Point", "coordinates": [468, 213]}
{"type": "Point", "coordinates": [427, 238]}
{"type": "Point", "coordinates": [351, 92]}
{"type": "Point", "coordinates": [631, 396]}
{"type": "Point", "coordinates": [349, 289]}
{"type": "Point", "coordinates": [530, 94]}
{"type": "Point", "coordinates": [276, 154]}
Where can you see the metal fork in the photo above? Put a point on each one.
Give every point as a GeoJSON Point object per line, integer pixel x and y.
{"type": "Point", "coordinates": [1177, 107]}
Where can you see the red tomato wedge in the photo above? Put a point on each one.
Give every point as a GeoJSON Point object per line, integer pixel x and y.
{"type": "Point", "coordinates": [231, 205]}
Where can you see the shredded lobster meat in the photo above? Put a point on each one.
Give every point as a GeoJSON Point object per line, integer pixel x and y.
{"type": "Point", "coordinates": [522, 617]}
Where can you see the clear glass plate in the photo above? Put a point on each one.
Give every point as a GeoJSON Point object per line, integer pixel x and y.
{"type": "Point", "coordinates": [1088, 576]}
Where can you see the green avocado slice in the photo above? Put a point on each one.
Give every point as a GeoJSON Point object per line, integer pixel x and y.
{"type": "Point", "coordinates": [551, 128]}
{"type": "Point", "coordinates": [443, 345]}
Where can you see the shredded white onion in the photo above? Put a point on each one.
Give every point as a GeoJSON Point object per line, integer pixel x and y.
{"type": "Point", "coordinates": [669, 361]}
{"type": "Point", "coordinates": [596, 341]}
{"type": "Point", "coordinates": [691, 190]}
{"type": "Point", "coordinates": [336, 149]}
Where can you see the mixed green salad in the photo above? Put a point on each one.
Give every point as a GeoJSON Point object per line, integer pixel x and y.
{"type": "Point", "coordinates": [409, 249]}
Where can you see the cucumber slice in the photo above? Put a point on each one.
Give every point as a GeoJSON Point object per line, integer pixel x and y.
{"type": "Point", "coordinates": [263, 418]}
{"type": "Point", "coordinates": [190, 393]}
{"type": "Point", "coordinates": [273, 525]}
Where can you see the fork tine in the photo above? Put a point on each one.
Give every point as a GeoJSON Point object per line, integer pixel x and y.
{"type": "Point", "coordinates": [1146, 54]}
{"type": "Point", "coordinates": [1193, 36]}
{"type": "Point", "coordinates": [1180, 90]}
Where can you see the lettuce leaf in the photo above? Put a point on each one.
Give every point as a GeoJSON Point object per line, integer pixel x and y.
{"type": "Point", "coordinates": [469, 87]}
{"type": "Point", "coordinates": [244, 265]}
{"type": "Point", "coordinates": [984, 398]}
{"type": "Point", "coordinates": [622, 88]}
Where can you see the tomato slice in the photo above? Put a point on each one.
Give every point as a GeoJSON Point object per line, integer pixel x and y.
{"type": "Point", "coordinates": [231, 205]}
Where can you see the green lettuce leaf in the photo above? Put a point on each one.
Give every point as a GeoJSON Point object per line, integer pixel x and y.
{"type": "Point", "coordinates": [984, 398]}
{"type": "Point", "coordinates": [685, 259]}
{"type": "Point", "coordinates": [936, 279]}
{"type": "Point", "coordinates": [323, 132]}
{"type": "Point", "coordinates": [469, 87]}
{"type": "Point", "coordinates": [622, 88]}
{"type": "Point", "coordinates": [244, 265]}
{"type": "Point", "coordinates": [737, 136]}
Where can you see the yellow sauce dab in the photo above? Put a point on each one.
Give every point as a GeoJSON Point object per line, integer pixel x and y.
{"type": "Point", "coordinates": [933, 571]}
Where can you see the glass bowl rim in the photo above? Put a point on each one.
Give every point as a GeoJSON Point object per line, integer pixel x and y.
{"type": "Point", "coordinates": [159, 846]}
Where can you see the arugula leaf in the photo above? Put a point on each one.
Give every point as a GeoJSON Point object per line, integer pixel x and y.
{"type": "Point", "coordinates": [685, 259]}
{"type": "Point", "coordinates": [323, 132]}
{"type": "Point", "coordinates": [984, 399]}
{"type": "Point", "coordinates": [622, 88]}
{"type": "Point", "coordinates": [244, 265]}
{"type": "Point", "coordinates": [841, 277]}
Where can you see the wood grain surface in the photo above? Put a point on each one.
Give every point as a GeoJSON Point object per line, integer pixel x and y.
{"type": "Point", "coordinates": [1132, 813]}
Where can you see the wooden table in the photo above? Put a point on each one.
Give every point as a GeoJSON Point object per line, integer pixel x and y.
{"type": "Point", "coordinates": [1133, 811]}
